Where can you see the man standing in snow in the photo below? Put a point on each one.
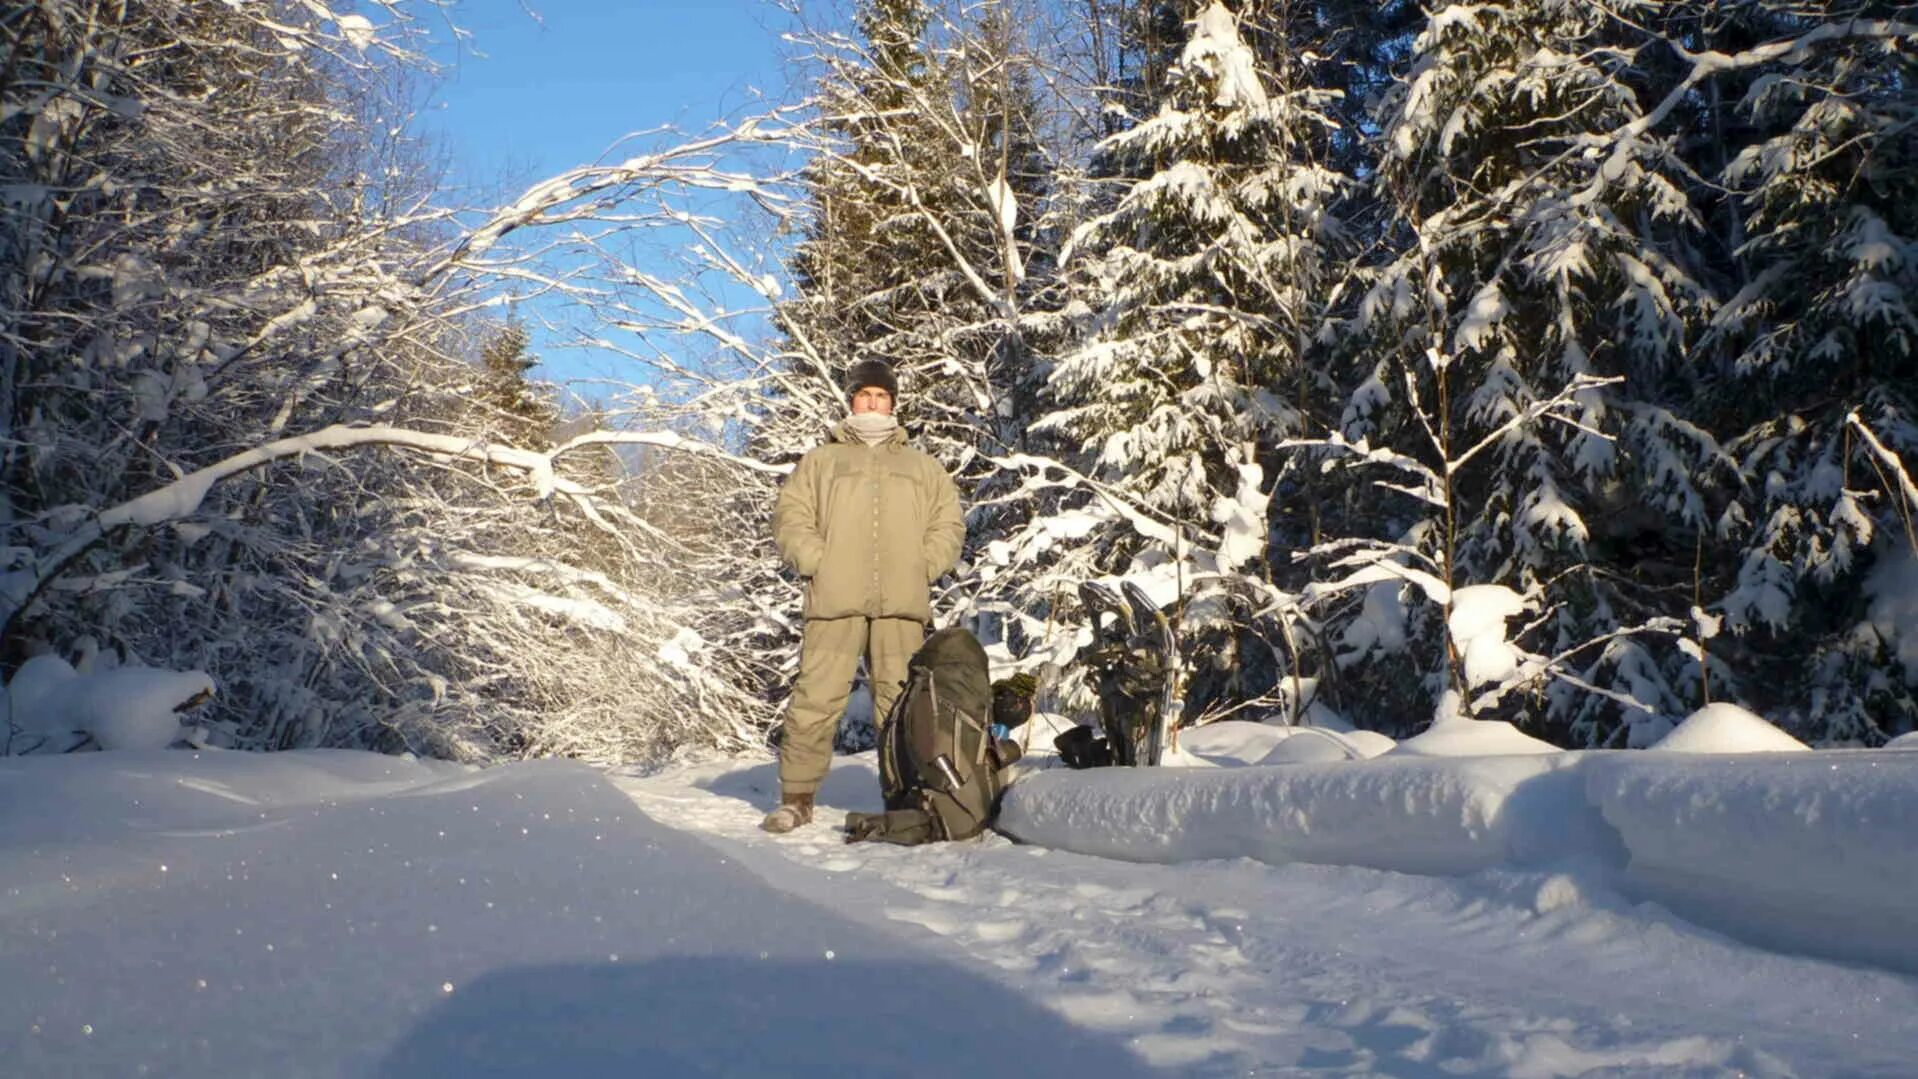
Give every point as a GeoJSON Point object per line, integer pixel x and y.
{"type": "Point", "coordinates": [870, 523]}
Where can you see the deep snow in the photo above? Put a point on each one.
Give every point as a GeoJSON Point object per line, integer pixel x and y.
{"type": "Point", "coordinates": [316, 913]}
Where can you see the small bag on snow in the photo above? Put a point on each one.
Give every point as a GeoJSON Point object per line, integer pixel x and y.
{"type": "Point", "coordinates": [939, 759]}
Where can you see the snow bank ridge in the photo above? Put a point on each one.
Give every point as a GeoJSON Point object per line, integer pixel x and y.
{"type": "Point", "coordinates": [1799, 851]}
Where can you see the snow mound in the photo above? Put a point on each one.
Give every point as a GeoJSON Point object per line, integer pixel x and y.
{"type": "Point", "coordinates": [1369, 743]}
{"type": "Point", "coordinates": [1726, 728]}
{"type": "Point", "coordinates": [38, 696]}
{"type": "Point", "coordinates": [1312, 745]}
{"type": "Point", "coordinates": [1233, 741]}
{"type": "Point", "coordinates": [1462, 737]}
{"type": "Point", "coordinates": [1904, 741]}
{"type": "Point", "coordinates": [130, 707]}
{"type": "Point", "coordinates": [137, 707]}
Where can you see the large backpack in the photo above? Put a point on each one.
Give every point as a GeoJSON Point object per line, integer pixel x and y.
{"type": "Point", "coordinates": [939, 763]}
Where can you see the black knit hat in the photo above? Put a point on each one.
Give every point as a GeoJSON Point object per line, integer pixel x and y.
{"type": "Point", "coordinates": [872, 373]}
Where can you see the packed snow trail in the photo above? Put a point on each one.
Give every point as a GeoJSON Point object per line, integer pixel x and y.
{"type": "Point", "coordinates": [1236, 967]}
{"type": "Point", "coordinates": [344, 914]}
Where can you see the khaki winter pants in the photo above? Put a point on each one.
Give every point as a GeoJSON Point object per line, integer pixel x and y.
{"type": "Point", "coordinates": [828, 658]}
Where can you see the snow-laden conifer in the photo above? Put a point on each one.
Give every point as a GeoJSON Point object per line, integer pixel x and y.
{"type": "Point", "coordinates": [1539, 293]}
{"type": "Point", "coordinates": [1198, 280]}
{"type": "Point", "coordinates": [1816, 348]}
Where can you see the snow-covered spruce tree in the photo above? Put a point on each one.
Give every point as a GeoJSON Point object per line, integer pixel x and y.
{"type": "Point", "coordinates": [1199, 286]}
{"type": "Point", "coordinates": [872, 277]}
{"type": "Point", "coordinates": [1020, 135]}
{"type": "Point", "coordinates": [1134, 45]}
{"type": "Point", "coordinates": [523, 413]}
{"type": "Point", "coordinates": [1815, 359]}
{"type": "Point", "coordinates": [1514, 363]}
{"type": "Point", "coordinates": [922, 200]}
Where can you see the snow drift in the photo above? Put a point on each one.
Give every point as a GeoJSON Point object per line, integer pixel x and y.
{"type": "Point", "coordinates": [1798, 851]}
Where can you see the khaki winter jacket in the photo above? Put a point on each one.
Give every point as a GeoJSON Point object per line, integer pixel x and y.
{"type": "Point", "coordinates": [869, 527]}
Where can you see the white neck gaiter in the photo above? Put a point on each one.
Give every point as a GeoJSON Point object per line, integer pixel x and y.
{"type": "Point", "coordinates": [872, 428]}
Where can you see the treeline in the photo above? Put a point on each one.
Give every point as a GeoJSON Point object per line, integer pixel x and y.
{"type": "Point", "coordinates": [1545, 362]}
{"type": "Point", "coordinates": [1320, 314]}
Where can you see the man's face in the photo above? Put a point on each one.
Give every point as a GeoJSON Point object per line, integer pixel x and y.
{"type": "Point", "coordinates": [872, 399]}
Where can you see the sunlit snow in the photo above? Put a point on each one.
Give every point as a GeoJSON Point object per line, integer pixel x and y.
{"type": "Point", "coordinates": [334, 913]}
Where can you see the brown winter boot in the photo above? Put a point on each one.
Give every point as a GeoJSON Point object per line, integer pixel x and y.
{"type": "Point", "coordinates": [794, 810]}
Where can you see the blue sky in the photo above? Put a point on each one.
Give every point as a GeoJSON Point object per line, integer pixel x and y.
{"type": "Point", "coordinates": [555, 92]}
{"type": "Point", "coordinates": [535, 95]}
